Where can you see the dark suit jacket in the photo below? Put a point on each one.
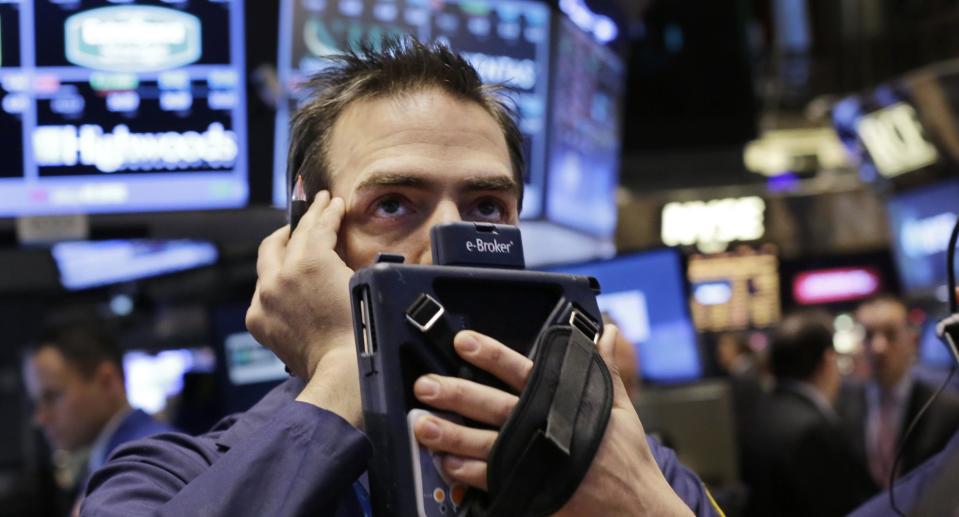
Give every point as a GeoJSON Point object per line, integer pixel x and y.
{"type": "Point", "coordinates": [136, 425]}
{"type": "Point", "coordinates": [932, 432]}
{"type": "Point", "coordinates": [804, 465]}
{"type": "Point", "coordinates": [927, 487]}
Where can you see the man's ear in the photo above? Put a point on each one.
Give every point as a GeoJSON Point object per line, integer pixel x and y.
{"type": "Point", "coordinates": [107, 375]}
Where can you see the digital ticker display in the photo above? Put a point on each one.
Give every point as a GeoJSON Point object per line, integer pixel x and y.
{"type": "Point", "coordinates": [507, 41]}
{"type": "Point", "coordinates": [734, 291]}
{"type": "Point", "coordinates": [121, 107]}
{"type": "Point", "coordinates": [584, 137]}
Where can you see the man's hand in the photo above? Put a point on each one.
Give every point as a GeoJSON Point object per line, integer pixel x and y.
{"type": "Point", "coordinates": [623, 479]}
{"type": "Point", "coordinates": [301, 307]}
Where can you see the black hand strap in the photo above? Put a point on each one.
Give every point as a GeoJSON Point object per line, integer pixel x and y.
{"type": "Point", "coordinates": [548, 443]}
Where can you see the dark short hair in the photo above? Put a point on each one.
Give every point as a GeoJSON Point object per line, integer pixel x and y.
{"type": "Point", "coordinates": [799, 344]}
{"type": "Point", "coordinates": [83, 346]}
{"type": "Point", "coordinates": [395, 66]}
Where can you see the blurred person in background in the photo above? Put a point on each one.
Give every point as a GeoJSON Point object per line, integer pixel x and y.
{"type": "Point", "coordinates": [929, 489]}
{"type": "Point", "coordinates": [877, 412]}
{"type": "Point", "coordinates": [804, 463]}
{"type": "Point", "coordinates": [735, 357]}
{"type": "Point", "coordinates": [75, 381]}
{"type": "Point", "coordinates": [749, 391]}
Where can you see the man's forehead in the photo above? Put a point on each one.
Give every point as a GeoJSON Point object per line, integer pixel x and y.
{"type": "Point", "coordinates": [882, 312]}
{"type": "Point", "coordinates": [410, 133]}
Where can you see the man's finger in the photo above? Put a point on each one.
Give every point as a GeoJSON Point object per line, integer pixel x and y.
{"type": "Point", "coordinates": [321, 234]}
{"type": "Point", "coordinates": [607, 347]}
{"type": "Point", "coordinates": [320, 202]}
{"type": "Point", "coordinates": [269, 256]}
{"type": "Point", "coordinates": [490, 355]}
{"type": "Point", "coordinates": [444, 436]}
{"type": "Point", "coordinates": [472, 400]}
{"type": "Point", "coordinates": [466, 470]}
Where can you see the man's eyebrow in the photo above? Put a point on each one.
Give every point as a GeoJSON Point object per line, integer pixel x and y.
{"type": "Point", "coordinates": [390, 179]}
{"type": "Point", "coordinates": [495, 183]}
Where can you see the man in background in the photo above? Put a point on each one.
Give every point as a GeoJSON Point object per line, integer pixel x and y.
{"type": "Point", "coordinates": [75, 380]}
{"type": "Point", "coordinates": [804, 466]}
{"type": "Point", "coordinates": [877, 413]}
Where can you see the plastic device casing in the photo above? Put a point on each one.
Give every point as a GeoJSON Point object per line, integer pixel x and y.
{"type": "Point", "coordinates": [510, 305]}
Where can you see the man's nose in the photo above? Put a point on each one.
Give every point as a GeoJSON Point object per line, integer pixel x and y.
{"type": "Point", "coordinates": [446, 212]}
{"type": "Point", "coordinates": [878, 345]}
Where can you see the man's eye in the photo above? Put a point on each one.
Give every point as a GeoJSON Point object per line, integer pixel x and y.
{"type": "Point", "coordinates": [391, 207]}
{"type": "Point", "coordinates": [489, 210]}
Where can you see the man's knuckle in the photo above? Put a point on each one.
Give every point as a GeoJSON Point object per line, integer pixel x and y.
{"type": "Point", "coordinates": [505, 407]}
{"type": "Point", "coordinates": [455, 391]}
{"type": "Point", "coordinates": [495, 354]}
{"type": "Point", "coordinates": [454, 438]}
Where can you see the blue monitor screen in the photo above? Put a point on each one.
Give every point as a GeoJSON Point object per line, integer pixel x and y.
{"type": "Point", "coordinates": [85, 265]}
{"type": "Point", "coordinates": [121, 106]}
{"type": "Point", "coordinates": [152, 378]}
{"type": "Point", "coordinates": [645, 295]}
{"type": "Point", "coordinates": [921, 221]}
{"type": "Point", "coordinates": [507, 41]}
{"type": "Point", "coordinates": [584, 135]}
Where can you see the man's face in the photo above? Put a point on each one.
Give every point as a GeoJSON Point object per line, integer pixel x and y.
{"type": "Point", "coordinates": [67, 405]}
{"type": "Point", "coordinates": [406, 163]}
{"type": "Point", "coordinates": [889, 342]}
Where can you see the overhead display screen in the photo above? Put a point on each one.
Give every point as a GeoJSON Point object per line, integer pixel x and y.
{"type": "Point", "coordinates": [921, 221]}
{"type": "Point", "coordinates": [734, 291]}
{"type": "Point", "coordinates": [507, 41]}
{"type": "Point", "coordinates": [645, 295]}
{"type": "Point", "coordinates": [122, 106]}
{"type": "Point", "coordinates": [584, 137]}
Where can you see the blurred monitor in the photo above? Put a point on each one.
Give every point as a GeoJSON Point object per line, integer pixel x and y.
{"type": "Point", "coordinates": [735, 291]}
{"type": "Point", "coordinates": [127, 106]}
{"type": "Point", "coordinates": [152, 378]}
{"type": "Point", "coordinates": [645, 294]}
{"type": "Point", "coordinates": [884, 133]}
{"type": "Point", "coordinates": [87, 264]}
{"type": "Point", "coordinates": [584, 132]}
{"type": "Point", "coordinates": [247, 362]}
{"type": "Point", "coordinates": [506, 40]}
{"type": "Point", "coordinates": [697, 422]}
{"type": "Point", "coordinates": [833, 285]}
{"type": "Point", "coordinates": [921, 221]}
{"type": "Point", "coordinates": [837, 282]}
{"type": "Point", "coordinates": [249, 371]}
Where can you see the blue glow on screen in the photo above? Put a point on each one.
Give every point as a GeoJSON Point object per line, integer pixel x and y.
{"type": "Point", "coordinates": [584, 134]}
{"type": "Point", "coordinates": [122, 107]}
{"type": "Point", "coordinates": [645, 294]}
{"type": "Point", "coordinates": [151, 378]}
{"type": "Point", "coordinates": [507, 41]}
{"type": "Point", "coordinates": [84, 265]}
{"type": "Point", "coordinates": [921, 222]}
